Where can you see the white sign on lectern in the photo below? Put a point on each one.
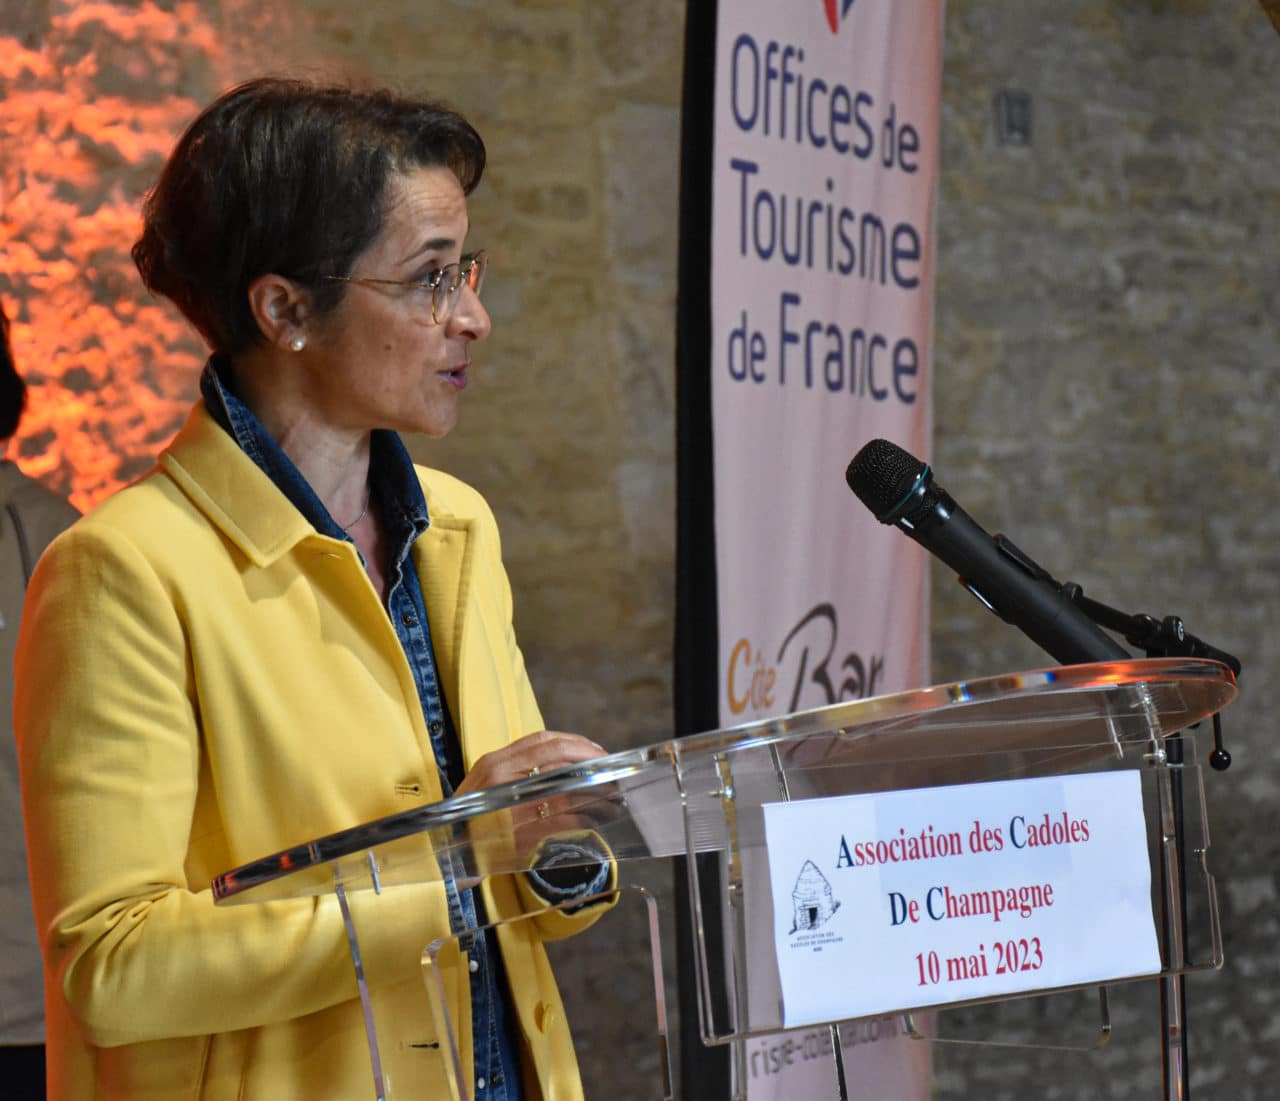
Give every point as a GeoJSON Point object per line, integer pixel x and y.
{"type": "Point", "coordinates": [939, 895]}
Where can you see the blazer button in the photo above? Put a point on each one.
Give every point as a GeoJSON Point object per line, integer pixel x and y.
{"type": "Point", "coordinates": [544, 1016]}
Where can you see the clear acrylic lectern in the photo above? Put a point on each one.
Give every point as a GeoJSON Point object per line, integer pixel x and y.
{"type": "Point", "coordinates": [704, 797]}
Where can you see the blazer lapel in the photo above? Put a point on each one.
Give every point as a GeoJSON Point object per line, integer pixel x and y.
{"type": "Point", "coordinates": [229, 488]}
{"type": "Point", "coordinates": [443, 559]}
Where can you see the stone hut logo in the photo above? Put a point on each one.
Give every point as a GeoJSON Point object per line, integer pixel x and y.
{"type": "Point", "coordinates": [812, 902]}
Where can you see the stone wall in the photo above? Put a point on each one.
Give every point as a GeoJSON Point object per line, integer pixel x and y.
{"type": "Point", "coordinates": [1108, 393]}
{"type": "Point", "coordinates": [1108, 299]}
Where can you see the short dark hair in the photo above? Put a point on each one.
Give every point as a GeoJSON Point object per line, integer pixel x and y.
{"type": "Point", "coordinates": [13, 391]}
{"type": "Point", "coordinates": [286, 177]}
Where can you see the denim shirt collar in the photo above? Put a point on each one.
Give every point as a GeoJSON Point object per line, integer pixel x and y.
{"type": "Point", "coordinates": [393, 482]}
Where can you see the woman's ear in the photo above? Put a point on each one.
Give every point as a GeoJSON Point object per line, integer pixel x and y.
{"type": "Point", "coordinates": [282, 309]}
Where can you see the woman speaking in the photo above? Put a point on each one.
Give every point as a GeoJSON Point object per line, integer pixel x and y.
{"type": "Point", "coordinates": [284, 630]}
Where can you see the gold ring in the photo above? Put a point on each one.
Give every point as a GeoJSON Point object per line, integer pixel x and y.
{"type": "Point", "coordinates": [544, 811]}
{"type": "Point", "coordinates": [533, 771]}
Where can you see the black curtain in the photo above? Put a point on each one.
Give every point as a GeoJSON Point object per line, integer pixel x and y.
{"type": "Point", "coordinates": [704, 1072]}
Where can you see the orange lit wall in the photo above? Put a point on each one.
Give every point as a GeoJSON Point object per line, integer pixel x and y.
{"type": "Point", "coordinates": [92, 96]}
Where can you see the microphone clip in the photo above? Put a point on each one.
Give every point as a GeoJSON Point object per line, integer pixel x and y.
{"type": "Point", "coordinates": [1029, 565]}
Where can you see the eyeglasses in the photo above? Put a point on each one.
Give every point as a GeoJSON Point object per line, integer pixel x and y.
{"type": "Point", "coordinates": [443, 284]}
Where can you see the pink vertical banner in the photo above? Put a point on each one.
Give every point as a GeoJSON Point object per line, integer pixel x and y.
{"type": "Point", "coordinates": [824, 186]}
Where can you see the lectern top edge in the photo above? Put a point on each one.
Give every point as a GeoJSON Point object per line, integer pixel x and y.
{"type": "Point", "coordinates": [1178, 692]}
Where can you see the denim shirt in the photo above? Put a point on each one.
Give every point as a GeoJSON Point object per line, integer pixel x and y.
{"type": "Point", "coordinates": [396, 493]}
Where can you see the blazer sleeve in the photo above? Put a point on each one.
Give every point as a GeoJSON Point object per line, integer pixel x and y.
{"type": "Point", "coordinates": [109, 734]}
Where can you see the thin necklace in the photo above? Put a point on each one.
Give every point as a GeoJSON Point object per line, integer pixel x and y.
{"type": "Point", "coordinates": [363, 512]}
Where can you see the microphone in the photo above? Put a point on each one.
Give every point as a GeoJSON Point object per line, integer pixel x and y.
{"type": "Point", "coordinates": [899, 489]}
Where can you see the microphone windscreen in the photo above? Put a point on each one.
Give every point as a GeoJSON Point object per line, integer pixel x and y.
{"type": "Point", "coordinates": [882, 474]}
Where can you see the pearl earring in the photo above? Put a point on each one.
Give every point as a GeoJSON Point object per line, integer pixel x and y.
{"type": "Point", "coordinates": [298, 343]}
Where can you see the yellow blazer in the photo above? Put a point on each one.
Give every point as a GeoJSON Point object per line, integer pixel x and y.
{"type": "Point", "coordinates": [203, 679]}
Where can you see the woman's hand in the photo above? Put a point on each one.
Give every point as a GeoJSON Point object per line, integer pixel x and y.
{"type": "Point", "coordinates": [535, 753]}
{"type": "Point", "coordinates": [540, 752]}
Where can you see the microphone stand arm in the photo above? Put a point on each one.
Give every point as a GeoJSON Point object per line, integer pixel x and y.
{"type": "Point", "coordinates": [1163, 638]}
